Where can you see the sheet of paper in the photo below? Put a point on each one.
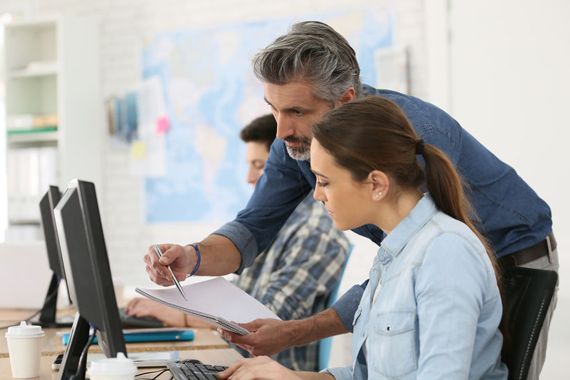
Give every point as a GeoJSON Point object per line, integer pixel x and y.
{"type": "Point", "coordinates": [217, 297]}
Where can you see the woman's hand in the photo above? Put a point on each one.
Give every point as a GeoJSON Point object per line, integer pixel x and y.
{"type": "Point", "coordinates": [141, 307]}
{"type": "Point", "coordinates": [261, 367]}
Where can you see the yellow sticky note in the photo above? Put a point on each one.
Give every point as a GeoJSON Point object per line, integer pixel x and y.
{"type": "Point", "coordinates": [138, 150]}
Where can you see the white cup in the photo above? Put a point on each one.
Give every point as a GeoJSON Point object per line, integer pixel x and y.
{"type": "Point", "coordinates": [119, 368]}
{"type": "Point", "coordinates": [24, 347]}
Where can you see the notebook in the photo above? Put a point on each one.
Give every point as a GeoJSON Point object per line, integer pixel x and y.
{"type": "Point", "coordinates": [148, 335]}
{"type": "Point", "coordinates": [216, 301]}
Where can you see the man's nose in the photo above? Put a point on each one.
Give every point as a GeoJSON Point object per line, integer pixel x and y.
{"type": "Point", "coordinates": [285, 127]}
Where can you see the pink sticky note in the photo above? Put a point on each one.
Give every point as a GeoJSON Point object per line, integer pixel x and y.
{"type": "Point", "coordinates": [162, 125]}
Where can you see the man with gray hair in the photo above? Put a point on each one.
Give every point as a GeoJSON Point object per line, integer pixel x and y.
{"type": "Point", "coordinates": [305, 73]}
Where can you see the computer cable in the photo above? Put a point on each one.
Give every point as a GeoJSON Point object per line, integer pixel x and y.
{"type": "Point", "coordinates": [82, 366]}
{"type": "Point", "coordinates": [159, 371]}
{"type": "Point", "coordinates": [28, 319]}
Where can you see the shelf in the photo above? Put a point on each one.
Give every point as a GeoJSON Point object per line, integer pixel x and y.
{"type": "Point", "coordinates": [45, 134]}
{"type": "Point", "coordinates": [49, 118]}
{"type": "Point", "coordinates": [24, 222]}
{"type": "Point", "coordinates": [45, 21]}
{"type": "Point", "coordinates": [31, 73]}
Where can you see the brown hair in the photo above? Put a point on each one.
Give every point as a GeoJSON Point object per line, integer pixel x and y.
{"type": "Point", "coordinates": [373, 133]}
{"type": "Point", "coordinates": [261, 130]}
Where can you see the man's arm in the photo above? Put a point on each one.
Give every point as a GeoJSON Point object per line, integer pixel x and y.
{"type": "Point", "coordinates": [236, 244]}
{"type": "Point", "coordinates": [270, 336]}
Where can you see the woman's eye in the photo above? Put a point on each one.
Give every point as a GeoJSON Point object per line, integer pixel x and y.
{"type": "Point", "coordinates": [322, 184]}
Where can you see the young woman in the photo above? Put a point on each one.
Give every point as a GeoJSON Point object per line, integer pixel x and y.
{"type": "Point", "coordinates": [432, 307]}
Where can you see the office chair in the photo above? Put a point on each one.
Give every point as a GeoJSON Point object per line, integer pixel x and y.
{"type": "Point", "coordinates": [528, 293]}
{"type": "Point", "coordinates": [325, 344]}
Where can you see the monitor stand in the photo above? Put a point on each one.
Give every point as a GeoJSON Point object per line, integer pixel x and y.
{"type": "Point", "coordinates": [47, 315]}
{"type": "Point", "coordinates": [71, 368]}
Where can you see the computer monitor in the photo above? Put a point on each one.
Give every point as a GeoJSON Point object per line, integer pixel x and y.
{"type": "Point", "coordinates": [47, 316]}
{"type": "Point", "coordinates": [86, 266]}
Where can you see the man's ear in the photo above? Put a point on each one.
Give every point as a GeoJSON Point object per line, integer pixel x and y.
{"type": "Point", "coordinates": [348, 96]}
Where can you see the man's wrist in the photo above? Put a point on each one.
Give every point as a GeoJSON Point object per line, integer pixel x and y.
{"type": "Point", "coordinates": [196, 248]}
{"type": "Point", "coordinates": [192, 258]}
{"type": "Point", "coordinates": [322, 325]}
{"type": "Point", "coordinates": [296, 330]}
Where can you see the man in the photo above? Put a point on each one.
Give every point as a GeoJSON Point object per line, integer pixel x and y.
{"type": "Point", "coordinates": [296, 274]}
{"type": "Point", "coordinates": [305, 73]}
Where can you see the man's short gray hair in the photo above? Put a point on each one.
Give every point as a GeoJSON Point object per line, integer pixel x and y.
{"type": "Point", "coordinates": [312, 52]}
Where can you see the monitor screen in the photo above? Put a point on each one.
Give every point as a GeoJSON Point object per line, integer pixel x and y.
{"type": "Point", "coordinates": [47, 204]}
{"type": "Point", "coordinates": [48, 312]}
{"type": "Point", "coordinates": [80, 235]}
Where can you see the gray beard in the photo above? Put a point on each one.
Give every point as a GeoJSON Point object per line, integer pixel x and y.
{"type": "Point", "coordinates": [303, 154]}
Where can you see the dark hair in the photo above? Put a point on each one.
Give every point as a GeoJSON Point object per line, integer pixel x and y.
{"type": "Point", "coordinates": [313, 52]}
{"type": "Point", "coordinates": [262, 130]}
{"type": "Point", "coordinates": [373, 133]}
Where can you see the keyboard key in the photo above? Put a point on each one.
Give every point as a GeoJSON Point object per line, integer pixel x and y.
{"type": "Point", "coordinates": [194, 370]}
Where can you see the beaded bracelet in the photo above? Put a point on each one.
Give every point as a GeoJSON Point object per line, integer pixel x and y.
{"type": "Point", "coordinates": [198, 259]}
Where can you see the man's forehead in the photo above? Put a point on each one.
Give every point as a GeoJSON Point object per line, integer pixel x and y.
{"type": "Point", "coordinates": [293, 94]}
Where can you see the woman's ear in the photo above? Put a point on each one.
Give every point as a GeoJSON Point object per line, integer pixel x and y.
{"type": "Point", "coordinates": [380, 184]}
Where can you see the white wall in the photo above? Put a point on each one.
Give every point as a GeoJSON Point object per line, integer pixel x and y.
{"type": "Point", "coordinates": [510, 75]}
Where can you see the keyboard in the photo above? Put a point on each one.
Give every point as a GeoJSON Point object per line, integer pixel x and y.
{"type": "Point", "coordinates": [139, 322]}
{"type": "Point", "coordinates": [193, 370]}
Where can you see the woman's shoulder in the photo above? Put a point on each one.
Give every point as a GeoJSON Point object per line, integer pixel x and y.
{"type": "Point", "coordinates": [452, 241]}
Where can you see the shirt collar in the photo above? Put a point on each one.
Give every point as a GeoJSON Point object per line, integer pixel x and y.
{"type": "Point", "coordinates": [395, 242]}
{"type": "Point", "coordinates": [368, 90]}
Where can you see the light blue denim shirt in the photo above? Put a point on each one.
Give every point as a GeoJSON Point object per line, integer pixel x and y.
{"type": "Point", "coordinates": [436, 308]}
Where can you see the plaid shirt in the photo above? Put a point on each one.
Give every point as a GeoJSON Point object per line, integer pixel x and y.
{"type": "Point", "coordinates": [297, 273]}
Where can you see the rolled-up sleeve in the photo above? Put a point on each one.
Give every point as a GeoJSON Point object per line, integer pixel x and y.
{"type": "Point", "coordinates": [243, 239]}
{"type": "Point", "coordinates": [346, 305]}
{"type": "Point", "coordinates": [340, 373]}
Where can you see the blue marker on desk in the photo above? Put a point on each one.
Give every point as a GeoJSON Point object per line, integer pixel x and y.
{"type": "Point", "coordinates": [159, 254]}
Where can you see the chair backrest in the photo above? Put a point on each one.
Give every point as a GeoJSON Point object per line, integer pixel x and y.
{"type": "Point", "coordinates": [528, 293]}
{"type": "Point", "coordinates": [325, 344]}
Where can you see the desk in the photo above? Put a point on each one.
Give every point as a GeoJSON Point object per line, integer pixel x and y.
{"type": "Point", "coordinates": [51, 343]}
{"type": "Point", "coordinates": [224, 356]}
{"type": "Point", "coordinates": [207, 346]}
{"type": "Point", "coordinates": [204, 339]}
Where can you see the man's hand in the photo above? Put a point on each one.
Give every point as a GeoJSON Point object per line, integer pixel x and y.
{"type": "Point", "coordinates": [270, 336]}
{"type": "Point", "coordinates": [219, 257]}
{"type": "Point", "coordinates": [266, 337]}
{"type": "Point", "coordinates": [180, 259]}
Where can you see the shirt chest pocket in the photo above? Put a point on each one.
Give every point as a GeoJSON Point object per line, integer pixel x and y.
{"type": "Point", "coordinates": [393, 346]}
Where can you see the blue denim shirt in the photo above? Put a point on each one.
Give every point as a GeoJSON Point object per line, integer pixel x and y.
{"type": "Point", "coordinates": [432, 308]}
{"type": "Point", "coordinates": [512, 216]}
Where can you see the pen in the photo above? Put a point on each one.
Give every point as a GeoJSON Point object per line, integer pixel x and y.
{"type": "Point", "coordinates": [159, 254]}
